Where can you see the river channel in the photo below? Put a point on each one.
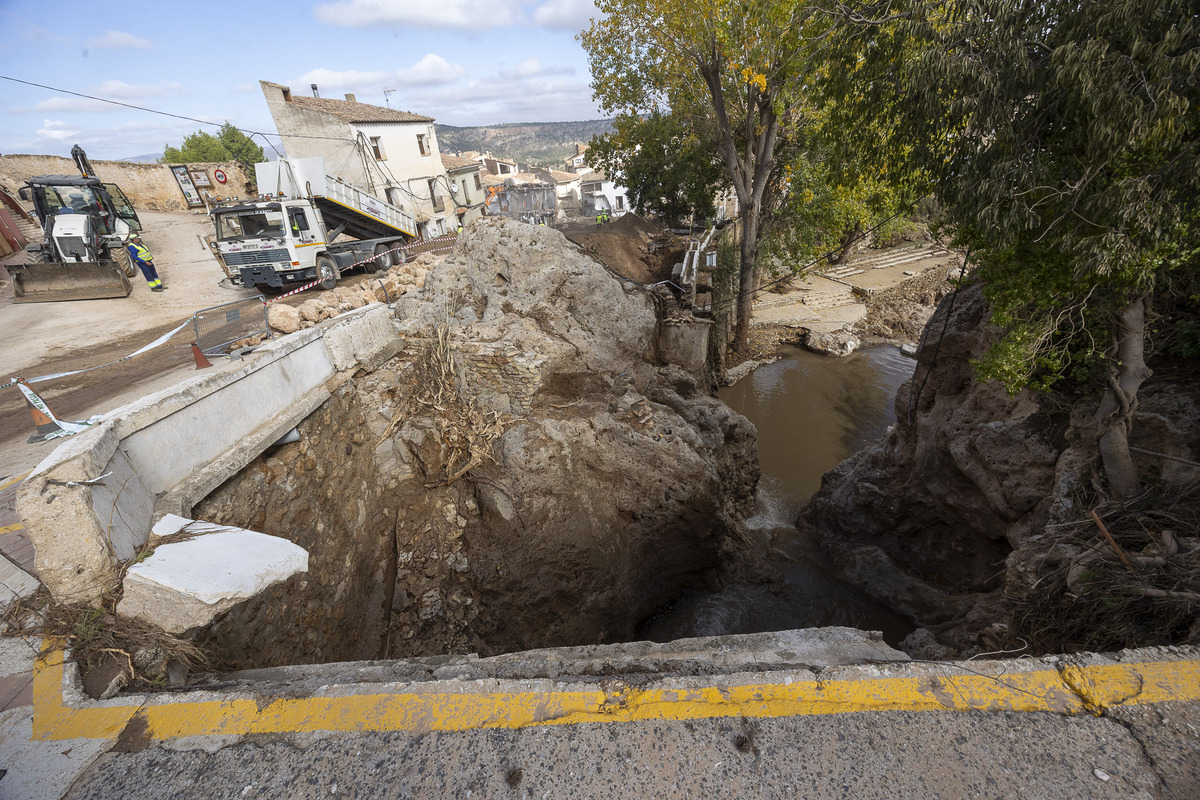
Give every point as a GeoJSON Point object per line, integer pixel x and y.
{"type": "Point", "coordinates": [812, 412]}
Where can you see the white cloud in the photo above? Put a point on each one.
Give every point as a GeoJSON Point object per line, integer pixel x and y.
{"type": "Point", "coordinates": [570, 15]}
{"type": "Point", "coordinates": [495, 100]}
{"type": "Point", "coordinates": [532, 67]}
{"type": "Point", "coordinates": [116, 90]}
{"type": "Point", "coordinates": [118, 40]}
{"type": "Point", "coordinates": [464, 15]}
{"type": "Point", "coordinates": [60, 104]}
{"type": "Point", "coordinates": [126, 91]}
{"type": "Point", "coordinates": [57, 130]}
{"type": "Point", "coordinates": [432, 70]}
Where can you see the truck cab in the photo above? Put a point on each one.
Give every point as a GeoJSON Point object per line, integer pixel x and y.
{"type": "Point", "coordinates": [264, 243]}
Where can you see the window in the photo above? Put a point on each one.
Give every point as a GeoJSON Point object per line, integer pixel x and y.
{"type": "Point", "coordinates": [377, 148]}
{"type": "Point", "coordinates": [478, 182]}
{"type": "Point", "coordinates": [620, 201]}
{"type": "Point", "coordinates": [422, 144]}
{"type": "Point", "coordinates": [434, 196]}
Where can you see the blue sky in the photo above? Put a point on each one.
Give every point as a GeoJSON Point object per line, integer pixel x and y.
{"type": "Point", "coordinates": [463, 62]}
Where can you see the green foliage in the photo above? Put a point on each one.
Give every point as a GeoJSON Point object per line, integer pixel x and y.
{"type": "Point", "coordinates": [1061, 139]}
{"type": "Point", "coordinates": [668, 167]}
{"type": "Point", "coordinates": [229, 144]}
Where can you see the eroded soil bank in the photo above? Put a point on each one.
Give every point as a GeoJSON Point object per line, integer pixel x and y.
{"type": "Point", "coordinates": [528, 472]}
{"type": "Point", "coordinates": [972, 516]}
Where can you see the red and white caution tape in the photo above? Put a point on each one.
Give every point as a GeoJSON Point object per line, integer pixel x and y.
{"type": "Point", "coordinates": [65, 428]}
{"type": "Point", "coordinates": [156, 343]}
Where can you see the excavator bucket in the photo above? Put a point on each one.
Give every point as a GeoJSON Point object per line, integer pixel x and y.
{"type": "Point", "coordinates": [73, 280]}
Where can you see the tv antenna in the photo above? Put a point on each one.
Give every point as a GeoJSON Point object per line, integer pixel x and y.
{"type": "Point", "coordinates": [386, 94]}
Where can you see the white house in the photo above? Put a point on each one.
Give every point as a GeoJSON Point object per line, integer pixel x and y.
{"type": "Point", "coordinates": [466, 186]}
{"type": "Point", "coordinates": [601, 194]}
{"type": "Point", "coordinates": [391, 153]}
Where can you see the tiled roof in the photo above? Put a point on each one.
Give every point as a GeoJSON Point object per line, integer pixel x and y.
{"type": "Point", "coordinates": [357, 112]}
{"type": "Point", "coordinates": [563, 177]}
{"type": "Point", "coordinates": [454, 162]}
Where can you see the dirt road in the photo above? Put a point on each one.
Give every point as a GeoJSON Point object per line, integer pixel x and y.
{"type": "Point", "coordinates": [49, 338]}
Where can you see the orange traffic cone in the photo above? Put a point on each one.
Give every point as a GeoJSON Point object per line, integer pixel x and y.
{"type": "Point", "coordinates": [198, 354]}
{"type": "Point", "coordinates": [44, 425]}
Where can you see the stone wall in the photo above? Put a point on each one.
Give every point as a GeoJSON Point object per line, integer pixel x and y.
{"type": "Point", "coordinates": [323, 494]}
{"type": "Point", "coordinates": [151, 186]}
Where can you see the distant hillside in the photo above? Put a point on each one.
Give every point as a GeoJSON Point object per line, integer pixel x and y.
{"type": "Point", "coordinates": [544, 144]}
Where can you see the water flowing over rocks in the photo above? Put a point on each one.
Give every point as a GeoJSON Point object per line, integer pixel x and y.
{"type": "Point", "coordinates": [527, 472]}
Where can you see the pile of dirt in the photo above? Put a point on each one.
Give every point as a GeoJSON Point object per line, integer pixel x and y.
{"type": "Point", "coordinates": [523, 474]}
{"type": "Point", "coordinates": [630, 246]}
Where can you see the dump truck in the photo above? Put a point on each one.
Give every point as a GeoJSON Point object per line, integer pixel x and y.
{"type": "Point", "coordinates": [86, 224]}
{"type": "Point", "coordinates": [288, 235]}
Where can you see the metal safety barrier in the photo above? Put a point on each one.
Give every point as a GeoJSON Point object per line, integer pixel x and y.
{"type": "Point", "coordinates": [220, 326]}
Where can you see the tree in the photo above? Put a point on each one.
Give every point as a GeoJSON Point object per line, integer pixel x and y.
{"type": "Point", "coordinates": [1061, 138]}
{"type": "Point", "coordinates": [229, 144]}
{"type": "Point", "coordinates": [743, 68]}
{"type": "Point", "coordinates": [667, 167]}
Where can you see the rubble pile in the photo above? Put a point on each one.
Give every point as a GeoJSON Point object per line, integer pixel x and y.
{"type": "Point", "coordinates": [383, 287]}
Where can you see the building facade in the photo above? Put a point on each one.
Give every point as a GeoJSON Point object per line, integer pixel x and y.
{"type": "Point", "coordinates": [392, 154]}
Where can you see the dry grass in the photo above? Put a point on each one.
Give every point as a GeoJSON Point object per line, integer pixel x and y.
{"type": "Point", "coordinates": [1136, 586]}
{"type": "Point", "coordinates": [96, 634]}
{"type": "Point", "coordinates": [467, 431]}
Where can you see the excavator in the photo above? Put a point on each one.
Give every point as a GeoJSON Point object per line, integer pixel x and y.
{"type": "Point", "coordinates": [86, 224]}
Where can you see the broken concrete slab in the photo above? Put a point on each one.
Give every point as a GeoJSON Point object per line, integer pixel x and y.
{"type": "Point", "coordinates": [186, 584]}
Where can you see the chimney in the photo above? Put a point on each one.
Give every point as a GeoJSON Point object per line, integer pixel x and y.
{"type": "Point", "coordinates": [287, 94]}
{"type": "Point", "coordinates": [350, 97]}
{"type": "Point", "coordinates": [314, 88]}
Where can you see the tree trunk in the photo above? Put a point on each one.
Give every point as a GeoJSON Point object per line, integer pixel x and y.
{"type": "Point", "coordinates": [1114, 417]}
{"type": "Point", "coordinates": [749, 277]}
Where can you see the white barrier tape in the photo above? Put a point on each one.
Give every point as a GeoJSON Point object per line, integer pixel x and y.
{"type": "Point", "coordinates": [156, 343]}
{"type": "Point", "coordinates": [67, 428]}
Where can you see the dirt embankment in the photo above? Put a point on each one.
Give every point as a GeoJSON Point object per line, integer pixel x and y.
{"type": "Point", "coordinates": [524, 474]}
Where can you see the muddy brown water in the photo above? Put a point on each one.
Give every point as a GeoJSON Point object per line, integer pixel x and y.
{"type": "Point", "coordinates": [812, 412]}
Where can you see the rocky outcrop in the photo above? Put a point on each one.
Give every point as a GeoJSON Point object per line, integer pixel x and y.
{"type": "Point", "coordinates": [526, 473]}
{"type": "Point", "coordinates": [925, 519]}
{"type": "Point", "coordinates": [945, 518]}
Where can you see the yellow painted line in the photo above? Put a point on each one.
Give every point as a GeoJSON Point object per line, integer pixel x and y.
{"type": "Point", "coordinates": [15, 480]}
{"type": "Point", "coordinates": [10, 528]}
{"type": "Point", "coordinates": [166, 717]}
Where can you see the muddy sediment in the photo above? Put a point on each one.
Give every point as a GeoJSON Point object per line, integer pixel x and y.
{"type": "Point", "coordinates": [527, 472]}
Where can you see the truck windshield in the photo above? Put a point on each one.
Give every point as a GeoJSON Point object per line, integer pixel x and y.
{"type": "Point", "coordinates": [249, 224]}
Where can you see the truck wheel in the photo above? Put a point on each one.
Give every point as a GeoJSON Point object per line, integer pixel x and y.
{"type": "Point", "coordinates": [383, 259]}
{"type": "Point", "coordinates": [327, 272]}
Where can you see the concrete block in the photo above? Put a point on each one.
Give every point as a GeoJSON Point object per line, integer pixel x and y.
{"type": "Point", "coordinates": [185, 584]}
{"type": "Point", "coordinates": [363, 338]}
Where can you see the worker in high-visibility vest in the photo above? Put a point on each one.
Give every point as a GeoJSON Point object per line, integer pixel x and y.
{"type": "Point", "coordinates": [145, 261]}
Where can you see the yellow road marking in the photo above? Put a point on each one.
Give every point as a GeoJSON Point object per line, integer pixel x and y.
{"type": "Point", "coordinates": [15, 480]}
{"type": "Point", "coordinates": [415, 711]}
{"type": "Point", "coordinates": [10, 528]}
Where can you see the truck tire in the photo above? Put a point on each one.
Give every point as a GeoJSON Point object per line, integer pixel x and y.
{"type": "Point", "coordinates": [327, 272]}
{"type": "Point", "coordinates": [384, 259]}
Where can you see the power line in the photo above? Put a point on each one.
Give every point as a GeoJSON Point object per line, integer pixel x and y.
{"type": "Point", "coordinates": [175, 116]}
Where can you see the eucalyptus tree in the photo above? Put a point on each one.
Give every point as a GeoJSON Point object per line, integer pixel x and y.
{"type": "Point", "coordinates": [744, 70]}
{"type": "Point", "coordinates": [1061, 137]}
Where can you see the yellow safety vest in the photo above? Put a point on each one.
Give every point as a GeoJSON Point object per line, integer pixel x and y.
{"type": "Point", "coordinates": [143, 253]}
